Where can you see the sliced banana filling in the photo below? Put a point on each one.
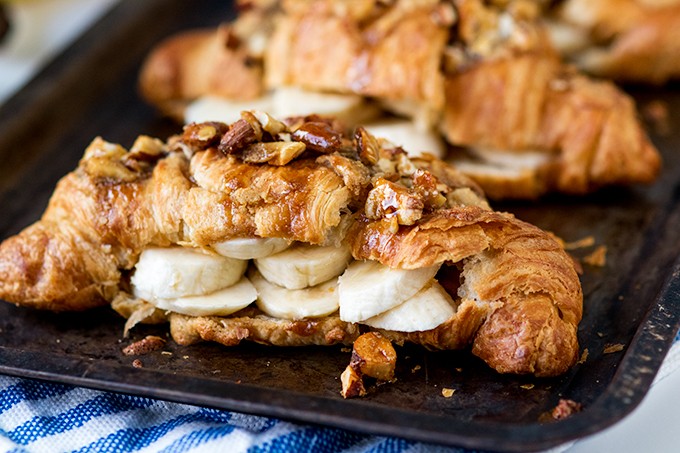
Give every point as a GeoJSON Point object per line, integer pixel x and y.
{"type": "Point", "coordinates": [301, 281]}
{"type": "Point", "coordinates": [304, 265]}
{"type": "Point", "coordinates": [283, 102]}
{"type": "Point", "coordinates": [192, 282]}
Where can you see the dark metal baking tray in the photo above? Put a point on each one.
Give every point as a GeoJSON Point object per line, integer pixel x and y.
{"type": "Point", "coordinates": [634, 300]}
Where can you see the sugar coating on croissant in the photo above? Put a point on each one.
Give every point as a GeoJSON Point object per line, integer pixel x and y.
{"type": "Point", "coordinates": [482, 74]}
{"type": "Point", "coordinates": [516, 293]}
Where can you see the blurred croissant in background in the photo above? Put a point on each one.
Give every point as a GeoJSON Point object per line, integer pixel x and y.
{"type": "Point", "coordinates": [478, 83]}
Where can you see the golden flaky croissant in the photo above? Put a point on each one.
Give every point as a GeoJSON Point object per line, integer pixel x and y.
{"type": "Point", "coordinates": [627, 40]}
{"type": "Point", "coordinates": [365, 238]}
{"type": "Point", "coordinates": [483, 74]}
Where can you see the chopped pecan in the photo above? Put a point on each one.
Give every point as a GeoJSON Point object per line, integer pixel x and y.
{"type": "Point", "coordinates": [242, 133]}
{"type": "Point", "coordinates": [352, 383]}
{"type": "Point", "coordinates": [388, 199]}
{"type": "Point", "coordinates": [201, 136]}
{"type": "Point", "coordinates": [373, 355]}
{"type": "Point", "coordinates": [274, 153]}
{"type": "Point", "coordinates": [318, 136]}
{"type": "Point", "coordinates": [426, 186]}
{"type": "Point", "coordinates": [368, 146]}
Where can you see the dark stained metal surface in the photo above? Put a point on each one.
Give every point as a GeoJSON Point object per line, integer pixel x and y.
{"type": "Point", "coordinates": [634, 300]}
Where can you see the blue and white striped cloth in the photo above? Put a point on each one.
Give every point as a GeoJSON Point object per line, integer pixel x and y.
{"type": "Point", "coordinates": [38, 416]}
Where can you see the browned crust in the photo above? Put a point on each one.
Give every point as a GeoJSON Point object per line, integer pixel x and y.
{"type": "Point", "coordinates": [396, 56]}
{"type": "Point", "coordinates": [196, 63]}
{"type": "Point", "coordinates": [522, 299]}
{"type": "Point", "coordinates": [630, 40]}
{"type": "Point", "coordinates": [262, 329]}
{"type": "Point", "coordinates": [589, 128]}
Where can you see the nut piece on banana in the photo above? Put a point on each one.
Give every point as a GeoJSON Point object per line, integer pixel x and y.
{"type": "Point", "coordinates": [372, 356]}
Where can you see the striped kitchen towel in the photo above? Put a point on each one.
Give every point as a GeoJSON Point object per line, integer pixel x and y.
{"type": "Point", "coordinates": [38, 416]}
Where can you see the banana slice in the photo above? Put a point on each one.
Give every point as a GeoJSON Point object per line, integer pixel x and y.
{"type": "Point", "coordinates": [249, 248]}
{"type": "Point", "coordinates": [430, 307]}
{"type": "Point", "coordinates": [210, 108]}
{"type": "Point", "coordinates": [368, 288]}
{"type": "Point", "coordinates": [293, 101]}
{"type": "Point", "coordinates": [313, 302]}
{"type": "Point", "coordinates": [222, 302]}
{"type": "Point", "coordinates": [168, 273]}
{"type": "Point", "coordinates": [304, 265]}
{"type": "Point", "coordinates": [406, 134]}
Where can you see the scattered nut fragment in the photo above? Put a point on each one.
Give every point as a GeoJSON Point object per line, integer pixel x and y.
{"type": "Point", "coordinates": [611, 348]}
{"type": "Point", "coordinates": [144, 346]}
{"type": "Point", "coordinates": [372, 356]}
{"type": "Point", "coordinates": [137, 363]}
{"type": "Point", "coordinates": [352, 383]}
{"type": "Point", "coordinates": [527, 386]}
{"type": "Point", "coordinates": [448, 393]}
{"type": "Point", "coordinates": [584, 357]}
{"type": "Point", "coordinates": [565, 408]}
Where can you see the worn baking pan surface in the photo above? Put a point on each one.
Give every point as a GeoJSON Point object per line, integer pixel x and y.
{"type": "Point", "coordinates": [632, 301]}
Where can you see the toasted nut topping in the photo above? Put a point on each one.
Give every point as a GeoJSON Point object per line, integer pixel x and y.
{"type": "Point", "coordinates": [274, 153]}
{"type": "Point", "coordinates": [388, 199]}
{"type": "Point", "coordinates": [318, 136]}
{"type": "Point", "coordinates": [426, 187]}
{"type": "Point", "coordinates": [269, 124]}
{"type": "Point", "coordinates": [368, 146]}
{"type": "Point", "coordinates": [146, 149]}
{"type": "Point", "coordinates": [240, 134]}
{"type": "Point", "coordinates": [203, 135]}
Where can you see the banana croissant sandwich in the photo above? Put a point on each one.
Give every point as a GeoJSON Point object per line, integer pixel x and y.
{"type": "Point", "coordinates": [475, 79]}
{"type": "Point", "coordinates": [295, 234]}
{"type": "Point", "coordinates": [628, 40]}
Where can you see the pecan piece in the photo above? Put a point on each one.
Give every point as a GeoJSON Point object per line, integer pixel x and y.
{"type": "Point", "coordinates": [372, 356]}
{"type": "Point", "coordinates": [242, 133]}
{"type": "Point", "coordinates": [274, 153]}
{"type": "Point", "coordinates": [318, 136]}
{"type": "Point", "coordinates": [368, 146]}
{"type": "Point", "coordinates": [389, 200]}
{"type": "Point", "coordinates": [201, 136]}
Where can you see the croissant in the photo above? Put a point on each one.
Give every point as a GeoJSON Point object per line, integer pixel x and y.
{"type": "Point", "coordinates": [483, 75]}
{"type": "Point", "coordinates": [627, 40]}
{"type": "Point", "coordinates": [433, 264]}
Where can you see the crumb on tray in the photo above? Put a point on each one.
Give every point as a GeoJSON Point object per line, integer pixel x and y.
{"type": "Point", "coordinates": [611, 348]}
{"type": "Point", "coordinates": [146, 345]}
{"type": "Point", "coordinates": [565, 408]}
{"type": "Point", "coordinates": [448, 393]}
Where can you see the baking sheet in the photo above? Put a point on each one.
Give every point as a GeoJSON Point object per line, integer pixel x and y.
{"type": "Point", "coordinates": [634, 300]}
